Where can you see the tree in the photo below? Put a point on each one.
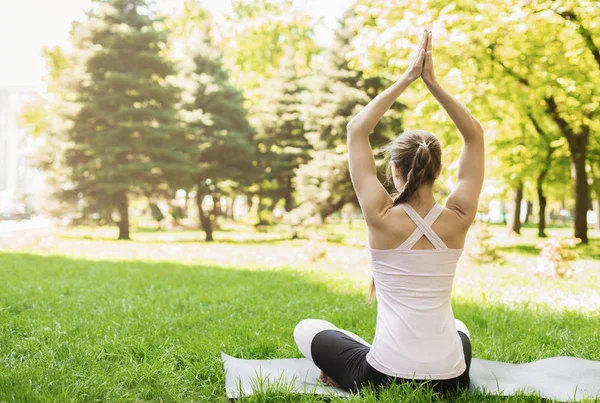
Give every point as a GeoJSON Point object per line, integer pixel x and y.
{"type": "Point", "coordinates": [268, 46]}
{"type": "Point", "coordinates": [42, 118]}
{"type": "Point", "coordinates": [123, 137]}
{"type": "Point", "coordinates": [336, 93]}
{"type": "Point", "coordinates": [522, 45]}
{"type": "Point", "coordinates": [256, 38]}
{"type": "Point", "coordinates": [527, 154]}
{"type": "Point", "coordinates": [553, 158]}
{"type": "Point", "coordinates": [280, 133]}
{"type": "Point", "coordinates": [562, 92]}
{"type": "Point", "coordinates": [515, 222]}
{"type": "Point", "coordinates": [221, 148]}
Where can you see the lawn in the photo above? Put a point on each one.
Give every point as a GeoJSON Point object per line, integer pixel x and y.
{"type": "Point", "coordinates": [86, 318]}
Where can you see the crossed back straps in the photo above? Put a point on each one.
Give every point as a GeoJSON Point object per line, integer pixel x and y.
{"type": "Point", "coordinates": [423, 227]}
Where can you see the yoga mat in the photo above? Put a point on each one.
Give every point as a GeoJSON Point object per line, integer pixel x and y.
{"type": "Point", "coordinates": [558, 378]}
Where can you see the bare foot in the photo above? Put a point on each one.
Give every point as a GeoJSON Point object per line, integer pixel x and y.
{"type": "Point", "coordinates": [327, 380]}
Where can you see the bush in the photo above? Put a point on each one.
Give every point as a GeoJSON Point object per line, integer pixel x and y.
{"type": "Point", "coordinates": [316, 247]}
{"type": "Point", "coordinates": [479, 246]}
{"type": "Point", "coordinates": [156, 212]}
{"type": "Point", "coordinates": [557, 257]}
{"type": "Point", "coordinates": [177, 213]}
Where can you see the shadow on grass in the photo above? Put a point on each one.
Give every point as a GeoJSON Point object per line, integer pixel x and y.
{"type": "Point", "coordinates": [527, 250]}
{"type": "Point", "coordinates": [589, 251]}
{"type": "Point", "coordinates": [556, 225]}
{"type": "Point", "coordinates": [175, 240]}
{"type": "Point", "coordinates": [137, 330]}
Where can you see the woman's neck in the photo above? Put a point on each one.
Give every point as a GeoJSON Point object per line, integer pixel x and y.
{"type": "Point", "coordinates": [423, 197]}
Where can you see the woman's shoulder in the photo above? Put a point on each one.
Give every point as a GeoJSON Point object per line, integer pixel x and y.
{"type": "Point", "coordinates": [398, 227]}
{"type": "Point", "coordinates": [452, 228]}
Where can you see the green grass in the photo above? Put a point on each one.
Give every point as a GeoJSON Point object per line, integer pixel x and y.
{"type": "Point", "coordinates": [527, 241]}
{"type": "Point", "coordinates": [131, 328]}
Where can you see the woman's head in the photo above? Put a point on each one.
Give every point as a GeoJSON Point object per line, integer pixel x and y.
{"type": "Point", "coordinates": [415, 160]}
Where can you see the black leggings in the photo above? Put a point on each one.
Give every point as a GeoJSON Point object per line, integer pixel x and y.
{"type": "Point", "coordinates": [343, 359]}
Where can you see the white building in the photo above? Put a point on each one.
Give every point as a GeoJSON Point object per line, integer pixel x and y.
{"type": "Point", "coordinates": [19, 181]}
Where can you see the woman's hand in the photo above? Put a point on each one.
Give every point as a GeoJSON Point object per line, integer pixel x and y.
{"type": "Point", "coordinates": [415, 70]}
{"type": "Point", "coordinates": [428, 73]}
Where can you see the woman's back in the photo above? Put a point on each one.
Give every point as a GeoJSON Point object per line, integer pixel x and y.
{"type": "Point", "coordinates": [416, 335]}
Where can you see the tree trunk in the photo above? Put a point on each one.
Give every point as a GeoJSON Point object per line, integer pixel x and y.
{"type": "Point", "coordinates": [596, 207]}
{"type": "Point", "coordinates": [123, 207]}
{"type": "Point", "coordinates": [230, 204]}
{"type": "Point", "coordinates": [542, 202]}
{"type": "Point", "coordinates": [582, 195]}
{"type": "Point", "coordinates": [216, 212]}
{"type": "Point", "coordinates": [217, 209]}
{"type": "Point", "coordinates": [205, 221]}
{"type": "Point", "coordinates": [262, 212]}
{"type": "Point", "coordinates": [515, 222]}
{"type": "Point", "coordinates": [578, 142]}
{"type": "Point", "coordinates": [528, 212]}
{"type": "Point", "coordinates": [289, 198]}
{"type": "Point", "coordinates": [596, 200]}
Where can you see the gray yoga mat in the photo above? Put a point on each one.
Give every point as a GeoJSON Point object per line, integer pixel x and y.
{"type": "Point", "coordinates": [558, 378]}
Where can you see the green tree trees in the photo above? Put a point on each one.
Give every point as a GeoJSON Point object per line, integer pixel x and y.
{"type": "Point", "coordinates": [220, 151]}
{"type": "Point", "coordinates": [118, 134]}
{"type": "Point", "coordinates": [43, 118]}
{"type": "Point", "coordinates": [257, 37]}
{"type": "Point", "coordinates": [336, 93]}
{"type": "Point", "coordinates": [280, 133]}
{"type": "Point", "coordinates": [543, 50]}
{"type": "Point", "coordinates": [268, 46]}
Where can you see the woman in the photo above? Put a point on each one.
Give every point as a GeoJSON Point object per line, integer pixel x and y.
{"type": "Point", "coordinates": [415, 244]}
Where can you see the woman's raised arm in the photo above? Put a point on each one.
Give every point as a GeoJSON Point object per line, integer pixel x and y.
{"type": "Point", "coordinates": [465, 197]}
{"type": "Point", "coordinates": [372, 196]}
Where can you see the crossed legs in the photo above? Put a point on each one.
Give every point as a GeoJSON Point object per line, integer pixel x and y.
{"type": "Point", "coordinates": [341, 355]}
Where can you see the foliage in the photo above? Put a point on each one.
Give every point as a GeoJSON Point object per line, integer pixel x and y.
{"type": "Point", "coordinates": [323, 185]}
{"type": "Point", "coordinates": [268, 47]}
{"type": "Point", "coordinates": [480, 245]}
{"type": "Point", "coordinates": [220, 148]}
{"type": "Point", "coordinates": [336, 93]}
{"type": "Point", "coordinates": [42, 119]}
{"type": "Point", "coordinates": [505, 72]}
{"type": "Point", "coordinates": [256, 39]}
{"type": "Point", "coordinates": [557, 257]}
{"type": "Point", "coordinates": [156, 212]}
{"type": "Point", "coordinates": [264, 108]}
{"type": "Point", "coordinates": [118, 134]}
{"type": "Point", "coordinates": [280, 134]}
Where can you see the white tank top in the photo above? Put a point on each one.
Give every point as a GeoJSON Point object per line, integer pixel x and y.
{"type": "Point", "coordinates": [416, 336]}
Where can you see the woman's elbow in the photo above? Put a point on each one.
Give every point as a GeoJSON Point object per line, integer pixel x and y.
{"type": "Point", "coordinates": [350, 127]}
{"type": "Point", "coordinates": [354, 127]}
{"type": "Point", "coordinates": [479, 128]}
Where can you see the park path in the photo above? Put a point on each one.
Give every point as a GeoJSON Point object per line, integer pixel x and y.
{"type": "Point", "coordinates": [13, 226]}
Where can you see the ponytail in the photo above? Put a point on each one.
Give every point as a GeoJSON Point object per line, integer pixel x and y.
{"type": "Point", "coordinates": [417, 175]}
{"type": "Point", "coordinates": [372, 295]}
